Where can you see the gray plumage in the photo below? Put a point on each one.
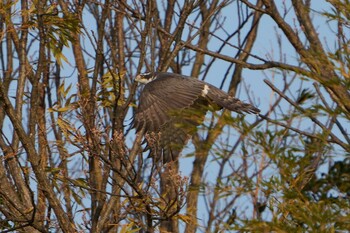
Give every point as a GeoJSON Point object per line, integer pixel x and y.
{"type": "Point", "coordinates": [172, 105]}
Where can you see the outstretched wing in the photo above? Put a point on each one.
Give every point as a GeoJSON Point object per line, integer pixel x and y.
{"type": "Point", "coordinates": [172, 105]}
{"type": "Point", "coordinates": [166, 111]}
{"type": "Point", "coordinates": [224, 100]}
{"type": "Point", "coordinates": [164, 97]}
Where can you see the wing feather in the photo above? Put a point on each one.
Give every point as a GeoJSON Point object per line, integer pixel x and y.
{"type": "Point", "coordinates": [161, 103]}
{"type": "Point", "coordinates": [224, 100]}
{"type": "Point", "coordinates": [163, 97]}
{"type": "Point", "coordinates": [172, 105]}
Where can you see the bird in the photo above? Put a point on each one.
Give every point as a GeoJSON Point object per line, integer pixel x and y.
{"type": "Point", "coordinates": [172, 105]}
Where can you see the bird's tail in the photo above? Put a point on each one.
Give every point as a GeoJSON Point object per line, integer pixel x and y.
{"type": "Point", "coordinates": [222, 99]}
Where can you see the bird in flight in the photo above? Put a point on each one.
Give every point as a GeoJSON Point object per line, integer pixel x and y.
{"type": "Point", "coordinates": [171, 106]}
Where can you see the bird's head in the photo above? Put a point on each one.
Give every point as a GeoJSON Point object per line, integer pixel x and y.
{"type": "Point", "coordinates": [145, 77]}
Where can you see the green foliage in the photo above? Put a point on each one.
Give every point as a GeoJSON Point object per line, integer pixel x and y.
{"type": "Point", "coordinates": [65, 101]}
{"type": "Point", "coordinates": [110, 90]}
{"type": "Point", "coordinates": [298, 198]}
{"type": "Point", "coordinates": [60, 31]}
